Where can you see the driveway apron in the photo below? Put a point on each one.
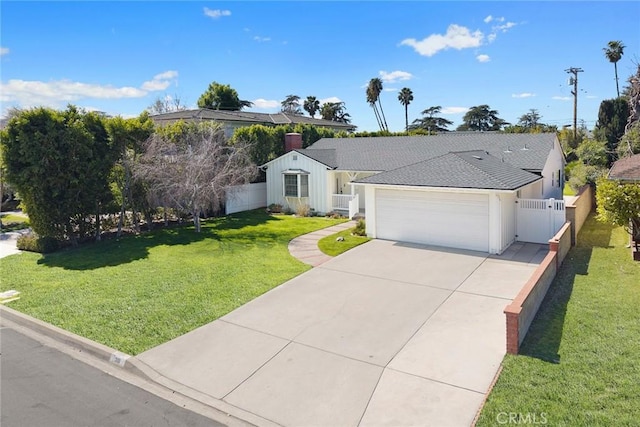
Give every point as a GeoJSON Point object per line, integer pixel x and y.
{"type": "Point", "coordinates": [385, 334]}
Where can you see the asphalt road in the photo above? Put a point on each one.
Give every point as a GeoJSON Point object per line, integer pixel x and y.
{"type": "Point", "coordinates": [40, 386]}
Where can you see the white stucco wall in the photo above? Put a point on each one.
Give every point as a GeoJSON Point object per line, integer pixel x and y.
{"type": "Point", "coordinates": [318, 180]}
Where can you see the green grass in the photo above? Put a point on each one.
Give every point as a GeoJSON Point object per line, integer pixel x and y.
{"type": "Point", "coordinates": [331, 247]}
{"type": "Point", "coordinates": [137, 292]}
{"type": "Point", "coordinates": [580, 362]}
{"type": "Point", "coordinates": [11, 222]}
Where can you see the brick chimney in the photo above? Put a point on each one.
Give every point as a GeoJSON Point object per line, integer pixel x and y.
{"type": "Point", "coordinates": [292, 141]}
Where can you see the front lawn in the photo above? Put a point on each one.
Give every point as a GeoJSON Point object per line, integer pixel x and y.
{"type": "Point", "coordinates": [137, 292]}
{"type": "Point", "coordinates": [580, 362]}
{"type": "Point", "coordinates": [12, 222]}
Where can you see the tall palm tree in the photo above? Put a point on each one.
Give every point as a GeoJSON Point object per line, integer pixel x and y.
{"type": "Point", "coordinates": [372, 103]}
{"type": "Point", "coordinates": [405, 96]}
{"type": "Point", "coordinates": [613, 52]}
{"type": "Point", "coordinates": [375, 89]}
{"type": "Point", "coordinates": [291, 105]}
{"type": "Point", "coordinates": [311, 105]}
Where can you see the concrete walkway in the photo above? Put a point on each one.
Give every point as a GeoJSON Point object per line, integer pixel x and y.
{"type": "Point", "coordinates": [305, 247]}
{"type": "Point", "coordinates": [387, 334]}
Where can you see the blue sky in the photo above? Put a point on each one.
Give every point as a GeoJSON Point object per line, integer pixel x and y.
{"type": "Point", "coordinates": [118, 57]}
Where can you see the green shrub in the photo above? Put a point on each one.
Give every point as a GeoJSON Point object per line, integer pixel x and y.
{"type": "Point", "coordinates": [275, 208]}
{"type": "Point", "coordinates": [360, 229]}
{"type": "Point", "coordinates": [33, 243]}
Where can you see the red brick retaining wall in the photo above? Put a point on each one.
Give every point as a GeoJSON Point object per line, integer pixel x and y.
{"type": "Point", "coordinates": [521, 312]}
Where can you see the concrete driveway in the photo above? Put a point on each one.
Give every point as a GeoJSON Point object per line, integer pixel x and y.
{"type": "Point", "coordinates": [386, 334]}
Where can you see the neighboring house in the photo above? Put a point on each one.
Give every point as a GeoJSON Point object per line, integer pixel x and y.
{"type": "Point", "coordinates": [626, 169]}
{"type": "Point", "coordinates": [454, 189]}
{"type": "Point", "coordinates": [231, 120]}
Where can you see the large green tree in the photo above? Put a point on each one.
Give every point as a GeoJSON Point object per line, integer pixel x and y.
{"type": "Point", "coordinates": [405, 96]}
{"type": "Point", "coordinates": [481, 118]}
{"type": "Point", "coordinates": [619, 204]}
{"type": "Point", "coordinates": [129, 136]}
{"type": "Point", "coordinates": [431, 122]}
{"type": "Point", "coordinates": [614, 52]}
{"type": "Point", "coordinates": [612, 118]}
{"type": "Point", "coordinates": [222, 97]}
{"type": "Point", "coordinates": [60, 162]}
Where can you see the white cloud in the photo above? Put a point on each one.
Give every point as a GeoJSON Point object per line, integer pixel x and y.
{"type": "Point", "coordinates": [264, 104]}
{"type": "Point", "coordinates": [483, 58]}
{"type": "Point", "coordinates": [562, 98]}
{"type": "Point", "coordinates": [491, 37]}
{"type": "Point", "coordinates": [29, 93]}
{"type": "Point", "coordinates": [454, 110]}
{"type": "Point", "coordinates": [523, 95]}
{"type": "Point", "coordinates": [389, 89]}
{"type": "Point", "coordinates": [4, 51]}
{"type": "Point", "coordinates": [504, 28]}
{"type": "Point", "coordinates": [395, 76]}
{"type": "Point", "coordinates": [216, 13]}
{"type": "Point", "coordinates": [488, 19]}
{"type": "Point", "coordinates": [160, 81]}
{"type": "Point", "coordinates": [456, 37]}
{"type": "Point", "coordinates": [330, 99]}
{"type": "Point", "coordinates": [261, 39]}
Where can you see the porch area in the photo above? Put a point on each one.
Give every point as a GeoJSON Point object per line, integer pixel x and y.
{"type": "Point", "coordinates": [348, 204]}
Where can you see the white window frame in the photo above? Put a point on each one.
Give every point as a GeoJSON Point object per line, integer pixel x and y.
{"type": "Point", "coordinates": [302, 183]}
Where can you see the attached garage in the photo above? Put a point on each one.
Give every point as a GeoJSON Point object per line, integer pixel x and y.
{"type": "Point", "coordinates": [450, 219]}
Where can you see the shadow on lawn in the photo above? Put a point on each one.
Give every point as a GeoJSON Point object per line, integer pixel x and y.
{"type": "Point", "coordinates": [132, 248]}
{"type": "Point", "coordinates": [545, 334]}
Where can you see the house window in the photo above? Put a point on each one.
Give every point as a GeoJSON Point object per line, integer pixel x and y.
{"type": "Point", "coordinates": [296, 184]}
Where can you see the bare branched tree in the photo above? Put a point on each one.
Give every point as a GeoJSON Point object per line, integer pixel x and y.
{"type": "Point", "coordinates": [193, 171]}
{"type": "Point", "coordinates": [166, 104]}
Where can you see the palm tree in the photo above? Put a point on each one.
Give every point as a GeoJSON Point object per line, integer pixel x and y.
{"type": "Point", "coordinates": [405, 96]}
{"type": "Point", "coordinates": [373, 91]}
{"type": "Point", "coordinates": [613, 52]}
{"type": "Point", "coordinates": [372, 103]}
{"type": "Point", "coordinates": [311, 105]}
{"type": "Point", "coordinates": [291, 105]}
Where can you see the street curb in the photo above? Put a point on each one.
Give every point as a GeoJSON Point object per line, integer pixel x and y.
{"type": "Point", "coordinates": [75, 341]}
{"type": "Point", "coordinates": [131, 364]}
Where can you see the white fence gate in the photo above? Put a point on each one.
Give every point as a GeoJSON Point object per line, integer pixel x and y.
{"type": "Point", "coordinates": [538, 220]}
{"type": "Point", "coordinates": [246, 197]}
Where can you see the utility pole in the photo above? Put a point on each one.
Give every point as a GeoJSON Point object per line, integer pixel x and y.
{"type": "Point", "coordinates": [574, 80]}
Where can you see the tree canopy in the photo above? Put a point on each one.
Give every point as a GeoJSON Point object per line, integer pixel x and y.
{"type": "Point", "coordinates": [335, 111]}
{"type": "Point", "coordinates": [60, 163]}
{"type": "Point", "coordinates": [612, 119]}
{"type": "Point", "coordinates": [222, 97]}
{"type": "Point", "coordinates": [192, 169]}
{"type": "Point", "coordinates": [481, 118]}
{"type": "Point", "coordinates": [431, 122]}
{"type": "Point", "coordinates": [618, 203]}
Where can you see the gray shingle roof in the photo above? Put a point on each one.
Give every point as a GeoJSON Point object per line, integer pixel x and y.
{"type": "Point", "coordinates": [469, 169]}
{"type": "Point", "coordinates": [524, 151]}
{"type": "Point", "coordinates": [326, 157]}
{"type": "Point", "coordinates": [248, 117]}
{"type": "Point", "coordinates": [626, 169]}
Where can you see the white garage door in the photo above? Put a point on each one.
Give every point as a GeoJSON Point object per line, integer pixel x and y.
{"type": "Point", "coordinates": [455, 220]}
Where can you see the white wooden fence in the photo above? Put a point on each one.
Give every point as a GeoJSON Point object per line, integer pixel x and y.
{"type": "Point", "coordinates": [538, 220]}
{"type": "Point", "coordinates": [242, 198]}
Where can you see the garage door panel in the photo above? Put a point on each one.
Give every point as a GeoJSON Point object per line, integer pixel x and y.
{"type": "Point", "coordinates": [456, 220]}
